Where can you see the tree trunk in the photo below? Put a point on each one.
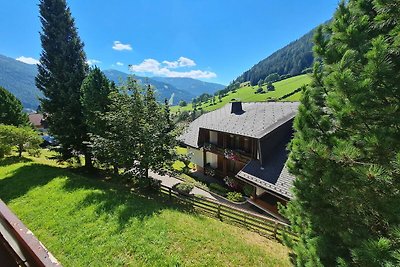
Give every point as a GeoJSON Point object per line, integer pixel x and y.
{"type": "Point", "coordinates": [20, 148]}
{"type": "Point", "coordinates": [146, 173]}
{"type": "Point", "coordinates": [88, 161]}
{"type": "Point", "coordinates": [115, 167]}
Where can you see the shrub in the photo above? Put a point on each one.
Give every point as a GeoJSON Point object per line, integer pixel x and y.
{"type": "Point", "coordinates": [184, 188]}
{"type": "Point", "coordinates": [259, 91]}
{"type": "Point", "coordinates": [5, 149]}
{"type": "Point", "coordinates": [154, 184]}
{"type": "Point", "coordinates": [219, 189]}
{"type": "Point", "coordinates": [248, 190]}
{"type": "Point", "coordinates": [235, 196]}
{"type": "Point", "coordinates": [232, 183]}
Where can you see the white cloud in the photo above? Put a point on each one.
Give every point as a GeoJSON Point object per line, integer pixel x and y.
{"type": "Point", "coordinates": [120, 46]}
{"type": "Point", "coordinates": [164, 69]}
{"type": "Point", "coordinates": [28, 60]}
{"type": "Point", "coordinates": [181, 62]}
{"type": "Point", "coordinates": [148, 65]}
{"type": "Point", "coordinates": [92, 62]}
{"type": "Point", "coordinates": [119, 64]}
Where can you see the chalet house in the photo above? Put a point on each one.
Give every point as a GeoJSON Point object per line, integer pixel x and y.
{"type": "Point", "coordinates": [247, 141]}
{"type": "Point", "coordinates": [37, 120]}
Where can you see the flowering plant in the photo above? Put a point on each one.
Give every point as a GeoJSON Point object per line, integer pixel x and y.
{"type": "Point", "coordinates": [209, 171]}
{"type": "Point", "coordinates": [207, 146]}
{"type": "Point", "coordinates": [229, 154]}
{"type": "Point", "coordinates": [231, 182]}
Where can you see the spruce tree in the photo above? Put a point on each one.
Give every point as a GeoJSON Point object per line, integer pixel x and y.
{"type": "Point", "coordinates": [346, 150]}
{"type": "Point", "coordinates": [11, 110]}
{"type": "Point", "coordinates": [61, 71]}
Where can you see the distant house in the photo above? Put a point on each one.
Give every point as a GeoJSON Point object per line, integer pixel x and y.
{"type": "Point", "coordinates": [37, 120]}
{"type": "Point", "coordinates": [247, 141]}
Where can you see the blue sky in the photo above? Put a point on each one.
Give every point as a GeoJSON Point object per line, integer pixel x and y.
{"type": "Point", "coordinates": [214, 40]}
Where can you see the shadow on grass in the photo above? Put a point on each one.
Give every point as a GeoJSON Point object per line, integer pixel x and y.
{"type": "Point", "coordinates": [107, 198]}
{"type": "Point", "coordinates": [25, 178]}
{"type": "Point", "coordinates": [13, 160]}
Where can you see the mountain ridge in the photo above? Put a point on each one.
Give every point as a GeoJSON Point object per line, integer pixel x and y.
{"type": "Point", "coordinates": [163, 90]}
{"type": "Point", "coordinates": [193, 86]}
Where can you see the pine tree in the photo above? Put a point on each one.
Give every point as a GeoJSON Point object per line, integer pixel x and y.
{"type": "Point", "coordinates": [11, 110]}
{"type": "Point", "coordinates": [346, 149]}
{"type": "Point", "coordinates": [61, 71]}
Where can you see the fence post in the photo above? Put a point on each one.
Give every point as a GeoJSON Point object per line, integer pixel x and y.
{"type": "Point", "coordinates": [275, 230]}
{"type": "Point", "coordinates": [170, 194]}
{"type": "Point", "coordinates": [219, 212]}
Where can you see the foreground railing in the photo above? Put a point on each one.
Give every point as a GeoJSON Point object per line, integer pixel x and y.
{"type": "Point", "coordinates": [252, 221]}
{"type": "Point", "coordinates": [19, 245]}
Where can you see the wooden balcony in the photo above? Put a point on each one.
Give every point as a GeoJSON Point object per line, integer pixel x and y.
{"type": "Point", "coordinates": [240, 155]}
{"type": "Point", "coordinates": [18, 246]}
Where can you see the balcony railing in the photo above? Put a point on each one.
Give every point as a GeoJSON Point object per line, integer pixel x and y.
{"type": "Point", "coordinates": [18, 246]}
{"type": "Point", "coordinates": [232, 154]}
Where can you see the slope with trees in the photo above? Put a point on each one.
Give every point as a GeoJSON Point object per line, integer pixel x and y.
{"type": "Point", "coordinates": [19, 79]}
{"type": "Point", "coordinates": [345, 153]}
{"type": "Point", "coordinates": [290, 60]}
{"type": "Point", "coordinates": [191, 86]}
{"type": "Point", "coordinates": [163, 90]}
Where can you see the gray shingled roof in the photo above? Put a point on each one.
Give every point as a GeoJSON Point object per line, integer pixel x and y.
{"type": "Point", "coordinates": [274, 175]}
{"type": "Point", "coordinates": [257, 120]}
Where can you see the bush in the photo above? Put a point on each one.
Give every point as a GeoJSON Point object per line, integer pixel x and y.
{"type": "Point", "coordinates": [5, 149]}
{"type": "Point", "coordinates": [219, 189]}
{"type": "Point", "coordinates": [154, 184]}
{"type": "Point", "coordinates": [235, 196]}
{"type": "Point", "coordinates": [184, 188]}
{"type": "Point", "coordinates": [248, 190]}
{"type": "Point", "coordinates": [232, 183]}
{"type": "Point", "coordinates": [259, 91]}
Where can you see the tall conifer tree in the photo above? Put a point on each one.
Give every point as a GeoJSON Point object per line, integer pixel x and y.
{"type": "Point", "coordinates": [346, 149]}
{"type": "Point", "coordinates": [61, 71]}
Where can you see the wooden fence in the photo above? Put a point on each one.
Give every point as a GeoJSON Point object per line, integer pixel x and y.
{"type": "Point", "coordinates": [263, 225]}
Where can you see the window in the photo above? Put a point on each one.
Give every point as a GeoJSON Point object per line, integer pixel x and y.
{"type": "Point", "coordinates": [231, 143]}
{"type": "Point", "coordinates": [213, 137]}
{"type": "Point", "coordinates": [247, 145]}
{"type": "Point", "coordinates": [237, 142]}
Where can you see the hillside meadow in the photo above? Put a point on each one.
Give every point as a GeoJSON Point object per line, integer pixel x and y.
{"type": "Point", "coordinates": [247, 94]}
{"type": "Point", "coordinates": [92, 222]}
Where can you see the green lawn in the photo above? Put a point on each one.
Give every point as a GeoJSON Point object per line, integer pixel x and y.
{"type": "Point", "coordinates": [88, 222]}
{"type": "Point", "coordinates": [246, 94]}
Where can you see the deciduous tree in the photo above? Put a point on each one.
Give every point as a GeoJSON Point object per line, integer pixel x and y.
{"type": "Point", "coordinates": [11, 110]}
{"type": "Point", "coordinates": [23, 138]}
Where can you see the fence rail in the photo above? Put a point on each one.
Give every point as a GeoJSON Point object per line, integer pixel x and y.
{"type": "Point", "coordinates": [252, 221]}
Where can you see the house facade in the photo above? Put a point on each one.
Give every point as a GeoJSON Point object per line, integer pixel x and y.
{"type": "Point", "coordinates": [246, 141]}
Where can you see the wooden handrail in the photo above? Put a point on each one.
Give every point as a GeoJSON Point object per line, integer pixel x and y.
{"type": "Point", "coordinates": [32, 249]}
